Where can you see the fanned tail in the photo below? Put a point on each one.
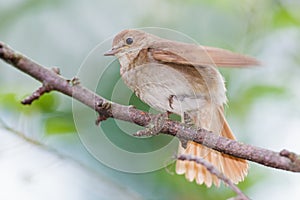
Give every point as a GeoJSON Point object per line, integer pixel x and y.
{"type": "Point", "coordinates": [233, 168]}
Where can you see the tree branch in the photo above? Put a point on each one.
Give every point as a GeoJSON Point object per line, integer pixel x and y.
{"type": "Point", "coordinates": [213, 170]}
{"type": "Point", "coordinates": [282, 160]}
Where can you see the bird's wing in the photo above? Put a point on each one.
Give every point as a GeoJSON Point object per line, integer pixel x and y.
{"type": "Point", "coordinates": [191, 54]}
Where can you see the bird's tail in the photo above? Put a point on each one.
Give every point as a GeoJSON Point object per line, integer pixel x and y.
{"type": "Point", "coordinates": [233, 168]}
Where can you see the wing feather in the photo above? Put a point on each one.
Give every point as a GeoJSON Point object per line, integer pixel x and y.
{"type": "Point", "coordinates": [191, 54]}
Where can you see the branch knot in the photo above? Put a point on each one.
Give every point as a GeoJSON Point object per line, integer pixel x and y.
{"type": "Point", "coordinates": [290, 155]}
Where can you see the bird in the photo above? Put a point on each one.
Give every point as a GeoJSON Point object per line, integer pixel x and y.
{"type": "Point", "coordinates": [182, 78]}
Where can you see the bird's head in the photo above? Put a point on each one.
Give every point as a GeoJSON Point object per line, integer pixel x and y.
{"type": "Point", "coordinates": [129, 42]}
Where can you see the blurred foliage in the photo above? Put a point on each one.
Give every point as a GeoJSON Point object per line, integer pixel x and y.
{"type": "Point", "coordinates": [286, 16]}
{"type": "Point", "coordinates": [138, 145]}
{"type": "Point", "coordinates": [62, 123]}
{"type": "Point", "coordinates": [239, 26]}
{"type": "Point", "coordinates": [55, 122]}
{"type": "Point", "coordinates": [46, 103]}
{"type": "Point", "coordinates": [241, 104]}
{"type": "Point", "coordinates": [16, 11]}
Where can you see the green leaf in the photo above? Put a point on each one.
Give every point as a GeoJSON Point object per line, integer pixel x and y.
{"type": "Point", "coordinates": [46, 103]}
{"type": "Point", "coordinates": [263, 90]}
{"type": "Point", "coordinates": [59, 125]}
{"type": "Point", "coordinates": [9, 101]}
{"type": "Point", "coordinates": [283, 17]}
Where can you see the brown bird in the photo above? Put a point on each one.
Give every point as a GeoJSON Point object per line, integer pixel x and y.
{"type": "Point", "coordinates": [182, 78]}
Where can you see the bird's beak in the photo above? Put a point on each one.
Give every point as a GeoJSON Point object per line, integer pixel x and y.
{"type": "Point", "coordinates": [111, 52]}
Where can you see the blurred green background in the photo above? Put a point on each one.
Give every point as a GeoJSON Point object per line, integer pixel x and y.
{"type": "Point", "coordinates": [263, 107]}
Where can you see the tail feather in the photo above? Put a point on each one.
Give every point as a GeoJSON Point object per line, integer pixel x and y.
{"type": "Point", "coordinates": [233, 168]}
{"type": "Point", "coordinates": [200, 169]}
{"type": "Point", "coordinates": [180, 165]}
{"type": "Point", "coordinates": [237, 168]}
{"type": "Point", "coordinates": [190, 166]}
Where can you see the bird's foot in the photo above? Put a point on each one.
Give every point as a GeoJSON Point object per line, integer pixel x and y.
{"type": "Point", "coordinates": [183, 142]}
{"type": "Point", "coordinates": [154, 126]}
{"type": "Point", "coordinates": [188, 123]}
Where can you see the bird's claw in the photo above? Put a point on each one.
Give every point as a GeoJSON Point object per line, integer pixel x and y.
{"type": "Point", "coordinates": [183, 142]}
{"type": "Point", "coordinates": [154, 126]}
{"type": "Point", "coordinates": [188, 123]}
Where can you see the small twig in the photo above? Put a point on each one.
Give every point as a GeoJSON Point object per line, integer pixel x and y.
{"type": "Point", "coordinates": [37, 94]}
{"type": "Point", "coordinates": [212, 169]}
{"type": "Point", "coordinates": [45, 88]}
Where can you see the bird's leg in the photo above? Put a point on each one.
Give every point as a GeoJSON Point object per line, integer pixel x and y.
{"type": "Point", "coordinates": [155, 125]}
{"type": "Point", "coordinates": [189, 123]}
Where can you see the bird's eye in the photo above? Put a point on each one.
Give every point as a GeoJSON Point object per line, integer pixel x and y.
{"type": "Point", "coordinates": [129, 41]}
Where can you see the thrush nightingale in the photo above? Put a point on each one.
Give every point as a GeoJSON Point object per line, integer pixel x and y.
{"type": "Point", "coordinates": [183, 79]}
